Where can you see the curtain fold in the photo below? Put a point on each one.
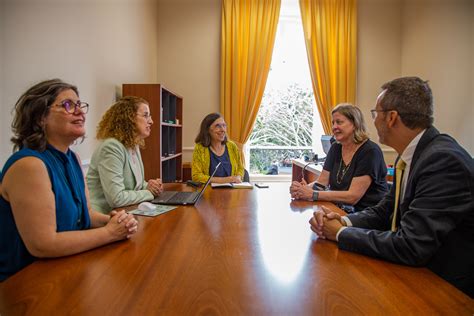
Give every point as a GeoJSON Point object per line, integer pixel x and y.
{"type": "Point", "coordinates": [330, 29]}
{"type": "Point", "coordinates": [248, 34]}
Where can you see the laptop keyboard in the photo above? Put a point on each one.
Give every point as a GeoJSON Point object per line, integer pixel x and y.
{"type": "Point", "coordinates": [181, 197]}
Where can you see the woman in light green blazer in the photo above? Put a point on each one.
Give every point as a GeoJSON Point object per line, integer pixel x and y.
{"type": "Point", "coordinates": [115, 176]}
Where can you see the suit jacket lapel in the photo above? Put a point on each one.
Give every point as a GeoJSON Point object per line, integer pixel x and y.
{"type": "Point", "coordinates": [425, 140]}
{"type": "Point", "coordinates": [427, 137]}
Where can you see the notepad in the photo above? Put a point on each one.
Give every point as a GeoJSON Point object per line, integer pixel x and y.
{"type": "Point", "coordinates": [242, 185]}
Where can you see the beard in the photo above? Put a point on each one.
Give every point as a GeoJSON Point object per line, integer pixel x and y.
{"type": "Point", "coordinates": [381, 132]}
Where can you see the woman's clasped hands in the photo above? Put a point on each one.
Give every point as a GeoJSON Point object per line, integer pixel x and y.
{"type": "Point", "coordinates": [155, 186]}
{"type": "Point", "coordinates": [121, 225]}
{"type": "Point", "coordinates": [301, 190]}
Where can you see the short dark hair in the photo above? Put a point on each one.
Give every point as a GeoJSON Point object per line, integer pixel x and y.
{"type": "Point", "coordinates": [412, 98]}
{"type": "Point", "coordinates": [204, 138]}
{"type": "Point", "coordinates": [30, 110]}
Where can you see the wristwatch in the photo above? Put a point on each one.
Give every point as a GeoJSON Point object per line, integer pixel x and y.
{"type": "Point", "coordinates": [315, 195]}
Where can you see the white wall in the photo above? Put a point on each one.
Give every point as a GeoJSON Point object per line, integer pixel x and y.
{"type": "Point", "coordinates": [96, 45]}
{"type": "Point", "coordinates": [189, 59]}
{"type": "Point", "coordinates": [432, 39]}
{"type": "Point", "coordinates": [4, 118]}
{"type": "Point", "coordinates": [438, 46]}
{"type": "Point", "coordinates": [378, 55]}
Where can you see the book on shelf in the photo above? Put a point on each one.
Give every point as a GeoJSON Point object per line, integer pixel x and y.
{"type": "Point", "coordinates": [242, 185]}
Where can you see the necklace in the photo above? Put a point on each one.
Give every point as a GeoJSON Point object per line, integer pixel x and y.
{"type": "Point", "coordinates": [343, 168]}
{"type": "Point", "coordinates": [341, 172]}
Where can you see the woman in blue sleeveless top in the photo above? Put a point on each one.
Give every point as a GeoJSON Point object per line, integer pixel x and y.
{"type": "Point", "coordinates": [44, 206]}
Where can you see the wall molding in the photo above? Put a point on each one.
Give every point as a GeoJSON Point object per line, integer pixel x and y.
{"type": "Point", "coordinates": [384, 149]}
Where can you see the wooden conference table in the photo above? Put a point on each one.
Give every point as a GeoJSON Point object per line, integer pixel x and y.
{"type": "Point", "coordinates": [237, 252]}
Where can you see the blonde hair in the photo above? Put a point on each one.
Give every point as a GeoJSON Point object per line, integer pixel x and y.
{"type": "Point", "coordinates": [119, 122]}
{"type": "Point", "coordinates": [354, 114]}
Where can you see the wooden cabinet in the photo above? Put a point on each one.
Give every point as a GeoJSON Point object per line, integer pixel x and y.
{"type": "Point", "coordinates": [302, 169]}
{"type": "Point", "coordinates": [162, 155]}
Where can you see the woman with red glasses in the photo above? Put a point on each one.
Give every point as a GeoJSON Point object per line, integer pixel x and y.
{"type": "Point", "coordinates": [44, 203]}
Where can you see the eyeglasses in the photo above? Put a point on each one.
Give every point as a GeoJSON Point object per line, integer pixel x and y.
{"type": "Point", "coordinates": [147, 116]}
{"type": "Point", "coordinates": [220, 126]}
{"type": "Point", "coordinates": [374, 112]}
{"type": "Point", "coordinates": [72, 107]}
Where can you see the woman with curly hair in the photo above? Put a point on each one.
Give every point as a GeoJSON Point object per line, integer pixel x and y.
{"type": "Point", "coordinates": [115, 176]}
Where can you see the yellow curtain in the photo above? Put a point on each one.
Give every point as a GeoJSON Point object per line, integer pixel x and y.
{"type": "Point", "coordinates": [248, 35]}
{"type": "Point", "coordinates": [330, 29]}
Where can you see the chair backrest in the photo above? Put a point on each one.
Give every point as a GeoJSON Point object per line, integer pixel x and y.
{"type": "Point", "coordinates": [246, 176]}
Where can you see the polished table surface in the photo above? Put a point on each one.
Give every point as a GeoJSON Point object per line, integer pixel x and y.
{"type": "Point", "coordinates": [237, 252]}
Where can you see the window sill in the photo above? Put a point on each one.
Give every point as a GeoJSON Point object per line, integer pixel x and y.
{"type": "Point", "coordinates": [270, 178]}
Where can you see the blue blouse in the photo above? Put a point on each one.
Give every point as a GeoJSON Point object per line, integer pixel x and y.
{"type": "Point", "coordinates": [67, 183]}
{"type": "Point", "coordinates": [225, 170]}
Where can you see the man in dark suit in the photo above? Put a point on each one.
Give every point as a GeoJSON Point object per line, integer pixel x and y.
{"type": "Point", "coordinates": [433, 222]}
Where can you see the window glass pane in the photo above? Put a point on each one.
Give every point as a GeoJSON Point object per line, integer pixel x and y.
{"type": "Point", "coordinates": [288, 124]}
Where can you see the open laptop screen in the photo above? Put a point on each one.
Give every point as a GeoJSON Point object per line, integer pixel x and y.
{"type": "Point", "coordinates": [208, 181]}
{"type": "Point", "coordinates": [183, 198]}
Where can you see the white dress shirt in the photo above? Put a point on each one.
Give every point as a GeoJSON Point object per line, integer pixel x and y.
{"type": "Point", "coordinates": [407, 157]}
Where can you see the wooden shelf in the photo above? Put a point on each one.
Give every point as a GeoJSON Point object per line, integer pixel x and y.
{"type": "Point", "coordinates": [171, 157]}
{"type": "Point", "coordinates": [170, 124]}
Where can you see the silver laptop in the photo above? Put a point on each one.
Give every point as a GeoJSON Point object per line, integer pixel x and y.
{"type": "Point", "coordinates": [183, 198]}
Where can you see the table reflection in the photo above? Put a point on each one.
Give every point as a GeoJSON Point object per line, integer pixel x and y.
{"type": "Point", "coordinates": [284, 235]}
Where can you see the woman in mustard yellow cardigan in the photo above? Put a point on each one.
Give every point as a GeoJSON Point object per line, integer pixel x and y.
{"type": "Point", "coordinates": [212, 147]}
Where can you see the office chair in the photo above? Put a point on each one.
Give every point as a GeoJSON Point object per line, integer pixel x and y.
{"type": "Point", "coordinates": [246, 176]}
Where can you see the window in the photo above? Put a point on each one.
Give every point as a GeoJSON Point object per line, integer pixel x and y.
{"type": "Point", "coordinates": [287, 124]}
